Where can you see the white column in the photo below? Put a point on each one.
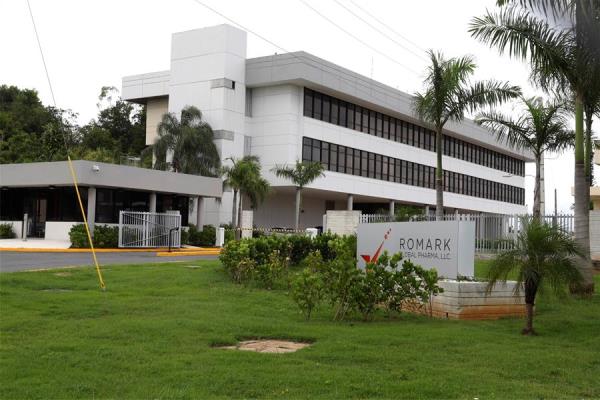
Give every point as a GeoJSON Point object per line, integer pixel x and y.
{"type": "Point", "coordinates": [152, 203]}
{"type": "Point", "coordinates": [392, 204]}
{"type": "Point", "coordinates": [91, 208]}
{"type": "Point", "coordinates": [200, 213]}
{"type": "Point", "coordinates": [350, 202]}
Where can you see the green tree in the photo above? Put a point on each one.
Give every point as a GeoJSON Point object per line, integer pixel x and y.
{"type": "Point", "coordinates": [124, 121]}
{"type": "Point", "coordinates": [244, 177]}
{"type": "Point", "coordinates": [188, 143]}
{"type": "Point", "coordinates": [539, 128]}
{"type": "Point", "coordinates": [543, 254]}
{"type": "Point", "coordinates": [30, 131]}
{"type": "Point", "coordinates": [448, 95]}
{"type": "Point", "coordinates": [302, 174]}
{"type": "Point", "coordinates": [561, 41]}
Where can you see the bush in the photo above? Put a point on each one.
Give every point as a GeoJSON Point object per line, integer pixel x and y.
{"type": "Point", "coordinates": [307, 291]}
{"type": "Point", "coordinates": [203, 238]}
{"type": "Point", "coordinates": [6, 231]}
{"type": "Point", "coordinates": [268, 273]}
{"type": "Point", "coordinates": [104, 236]}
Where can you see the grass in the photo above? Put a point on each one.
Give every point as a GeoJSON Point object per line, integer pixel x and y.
{"type": "Point", "coordinates": [150, 335]}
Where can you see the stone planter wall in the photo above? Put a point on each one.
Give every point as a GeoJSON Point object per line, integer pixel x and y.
{"type": "Point", "coordinates": [469, 300]}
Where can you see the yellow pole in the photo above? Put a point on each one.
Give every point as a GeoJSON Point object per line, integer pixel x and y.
{"type": "Point", "coordinates": [85, 223]}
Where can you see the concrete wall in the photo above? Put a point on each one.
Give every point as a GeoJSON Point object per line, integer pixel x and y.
{"type": "Point", "coordinates": [155, 109]}
{"type": "Point", "coordinates": [279, 210]}
{"type": "Point", "coordinates": [342, 222]}
{"type": "Point", "coordinates": [16, 227]}
{"type": "Point", "coordinates": [469, 300]}
{"type": "Point", "coordinates": [595, 234]}
{"type": "Point", "coordinates": [59, 230]}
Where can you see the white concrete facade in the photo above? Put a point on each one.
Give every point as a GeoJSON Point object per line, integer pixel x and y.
{"type": "Point", "coordinates": [255, 106]}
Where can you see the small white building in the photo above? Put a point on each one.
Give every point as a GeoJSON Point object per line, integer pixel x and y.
{"type": "Point", "coordinates": [296, 106]}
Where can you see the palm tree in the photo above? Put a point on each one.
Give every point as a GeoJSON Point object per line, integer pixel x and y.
{"type": "Point", "coordinates": [301, 175]}
{"type": "Point", "coordinates": [540, 128]}
{"type": "Point", "coordinates": [563, 56]}
{"type": "Point", "coordinates": [542, 254]}
{"type": "Point", "coordinates": [448, 96]}
{"type": "Point", "coordinates": [189, 141]}
{"type": "Point", "coordinates": [244, 178]}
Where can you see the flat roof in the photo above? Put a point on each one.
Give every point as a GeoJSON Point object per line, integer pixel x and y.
{"type": "Point", "coordinates": [97, 174]}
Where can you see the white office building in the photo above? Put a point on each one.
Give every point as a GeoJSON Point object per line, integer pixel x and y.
{"type": "Point", "coordinates": [295, 106]}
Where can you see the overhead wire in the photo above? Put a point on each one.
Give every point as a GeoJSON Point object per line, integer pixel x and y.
{"type": "Point", "coordinates": [418, 55]}
{"type": "Point", "coordinates": [69, 162]}
{"type": "Point", "coordinates": [383, 54]}
{"type": "Point", "coordinates": [272, 43]}
{"type": "Point", "coordinates": [387, 26]}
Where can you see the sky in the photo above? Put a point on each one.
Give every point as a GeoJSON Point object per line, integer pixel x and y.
{"type": "Point", "coordinates": [89, 44]}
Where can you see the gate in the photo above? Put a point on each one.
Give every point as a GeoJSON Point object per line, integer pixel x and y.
{"type": "Point", "coordinates": [147, 229]}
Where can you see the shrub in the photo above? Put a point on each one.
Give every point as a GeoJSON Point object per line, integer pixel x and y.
{"type": "Point", "coordinates": [267, 273]}
{"type": "Point", "coordinates": [205, 237]}
{"type": "Point", "coordinates": [236, 260]}
{"type": "Point", "coordinates": [307, 291]}
{"type": "Point", "coordinates": [104, 236]}
{"type": "Point", "coordinates": [6, 231]}
{"type": "Point", "coordinates": [78, 236]}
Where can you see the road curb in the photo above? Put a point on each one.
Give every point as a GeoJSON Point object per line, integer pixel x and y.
{"type": "Point", "coordinates": [149, 250]}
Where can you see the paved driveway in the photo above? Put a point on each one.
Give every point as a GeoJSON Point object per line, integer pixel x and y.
{"type": "Point", "coordinates": [14, 261]}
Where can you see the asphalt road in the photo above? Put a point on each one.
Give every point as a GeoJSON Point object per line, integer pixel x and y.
{"type": "Point", "coordinates": [15, 261]}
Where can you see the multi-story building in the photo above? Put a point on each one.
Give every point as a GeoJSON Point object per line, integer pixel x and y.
{"type": "Point", "coordinates": [295, 106]}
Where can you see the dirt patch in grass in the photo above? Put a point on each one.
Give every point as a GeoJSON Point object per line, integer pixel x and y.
{"type": "Point", "coordinates": [267, 346]}
{"type": "Point", "coordinates": [62, 274]}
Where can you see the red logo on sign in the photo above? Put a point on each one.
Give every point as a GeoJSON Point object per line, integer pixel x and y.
{"type": "Point", "coordinates": [375, 256]}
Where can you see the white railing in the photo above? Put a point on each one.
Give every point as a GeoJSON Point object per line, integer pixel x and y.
{"type": "Point", "coordinates": [370, 218]}
{"type": "Point", "coordinates": [493, 232]}
{"type": "Point", "coordinates": [146, 229]}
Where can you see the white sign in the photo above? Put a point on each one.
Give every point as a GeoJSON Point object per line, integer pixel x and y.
{"type": "Point", "coordinates": [447, 246]}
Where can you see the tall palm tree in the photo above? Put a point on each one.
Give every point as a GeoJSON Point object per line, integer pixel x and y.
{"type": "Point", "coordinates": [560, 40]}
{"type": "Point", "coordinates": [448, 95]}
{"type": "Point", "coordinates": [539, 128]}
{"type": "Point", "coordinates": [542, 254]}
{"type": "Point", "coordinates": [188, 142]}
{"type": "Point", "coordinates": [302, 174]}
{"type": "Point", "coordinates": [244, 178]}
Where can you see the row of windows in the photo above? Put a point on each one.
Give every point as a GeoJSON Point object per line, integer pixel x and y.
{"type": "Point", "coordinates": [329, 109]}
{"type": "Point", "coordinates": [347, 160]}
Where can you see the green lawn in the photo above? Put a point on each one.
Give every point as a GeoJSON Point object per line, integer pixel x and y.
{"type": "Point", "coordinates": [150, 334]}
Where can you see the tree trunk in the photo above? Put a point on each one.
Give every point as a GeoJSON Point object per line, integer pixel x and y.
{"type": "Point", "coordinates": [439, 177]}
{"type": "Point", "coordinates": [582, 206]}
{"type": "Point", "coordinates": [298, 200]}
{"type": "Point", "coordinates": [234, 210]}
{"type": "Point", "coordinates": [531, 288]}
{"type": "Point", "coordinates": [536, 189]}
{"type": "Point", "coordinates": [239, 230]}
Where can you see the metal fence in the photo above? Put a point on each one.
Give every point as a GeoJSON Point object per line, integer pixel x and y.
{"type": "Point", "coordinates": [369, 218]}
{"type": "Point", "coordinates": [493, 232]}
{"type": "Point", "coordinates": [146, 229]}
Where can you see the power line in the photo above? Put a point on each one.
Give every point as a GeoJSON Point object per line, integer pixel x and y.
{"type": "Point", "coordinates": [358, 39]}
{"type": "Point", "coordinates": [421, 56]}
{"type": "Point", "coordinates": [42, 54]}
{"type": "Point", "coordinates": [291, 54]}
{"type": "Point", "coordinates": [387, 26]}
